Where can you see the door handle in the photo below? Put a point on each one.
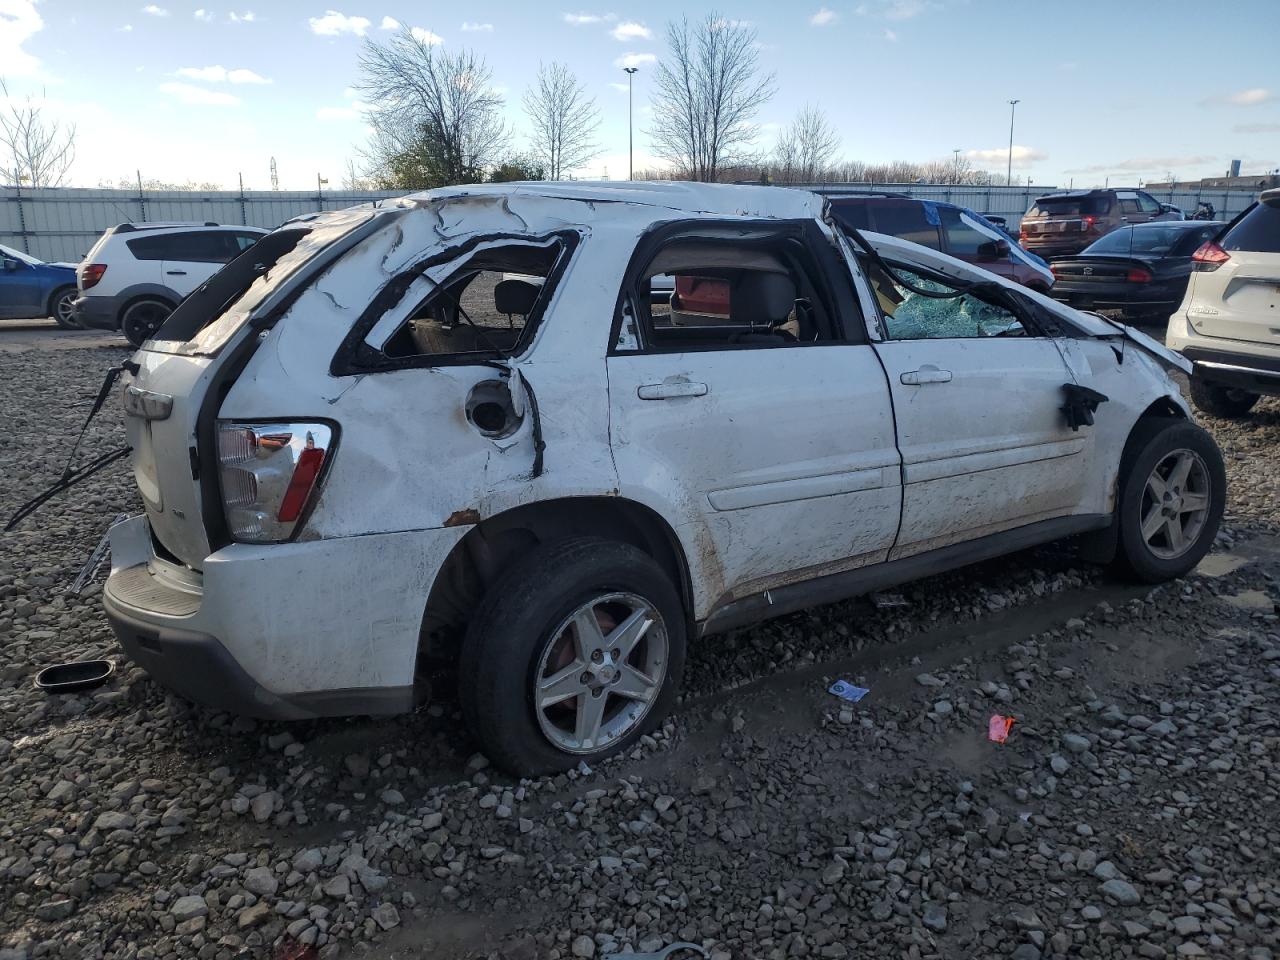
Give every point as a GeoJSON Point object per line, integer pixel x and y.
{"type": "Point", "coordinates": [671, 390]}
{"type": "Point", "coordinates": [926, 374]}
{"type": "Point", "coordinates": [176, 273]}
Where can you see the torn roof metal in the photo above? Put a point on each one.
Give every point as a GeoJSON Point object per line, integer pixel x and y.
{"type": "Point", "coordinates": [689, 198]}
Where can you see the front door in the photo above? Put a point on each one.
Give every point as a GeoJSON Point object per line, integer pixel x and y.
{"type": "Point", "coordinates": [978, 398]}
{"type": "Point", "coordinates": [768, 434]}
{"type": "Point", "coordinates": [19, 289]}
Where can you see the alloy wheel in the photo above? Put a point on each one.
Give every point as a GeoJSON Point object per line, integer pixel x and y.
{"type": "Point", "coordinates": [1175, 504]}
{"type": "Point", "coordinates": [600, 673]}
{"type": "Point", "coordinates": [143, 319]}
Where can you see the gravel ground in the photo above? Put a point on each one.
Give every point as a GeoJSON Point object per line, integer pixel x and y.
{"type": "Point", "coordinates": [1132, 811]}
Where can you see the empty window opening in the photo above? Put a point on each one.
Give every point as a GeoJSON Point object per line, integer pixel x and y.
{"type": "Point", "coordinates": [482, 307]}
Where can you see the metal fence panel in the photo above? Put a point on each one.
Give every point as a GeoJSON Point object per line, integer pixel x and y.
{"type": "Point", "coordinates": [62, 224]}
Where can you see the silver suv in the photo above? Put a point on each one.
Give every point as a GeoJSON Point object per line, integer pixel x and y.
{"type": "Point", "coordinates": [461, 430]}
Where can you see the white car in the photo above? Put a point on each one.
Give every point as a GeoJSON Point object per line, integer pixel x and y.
{"type": "Point", "coordinates": [380, 447]}
{"type": "Point", "coordinates": [1229, 320]}
{"type": "Point", "coordinates": [138, 272]}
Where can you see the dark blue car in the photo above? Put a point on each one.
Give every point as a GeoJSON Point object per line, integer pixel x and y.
{"type": "Point", "coordinates": [31, 289]}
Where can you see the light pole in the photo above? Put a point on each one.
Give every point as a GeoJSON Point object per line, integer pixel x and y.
{"type": "Point", "coordinates": [631, 173]}
{"type": "Point", "coordinates": [955, 166]}
{"type": "Point", "coordinates": [1008, 173]}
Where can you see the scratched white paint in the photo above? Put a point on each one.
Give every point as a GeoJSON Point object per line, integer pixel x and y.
{"type": "Point", "coordinates": [789, 465]}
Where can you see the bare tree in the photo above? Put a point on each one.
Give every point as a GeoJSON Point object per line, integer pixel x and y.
{"type": "Point", "coordinates": [438, 119]}
{"type": "Point", "coordinates": [39, 151]}
{"type": "Point", "coordinates": [564, 120]}
{"type": "Point", "coordinates": [709, 90]}
{"type": "Point", "coordinates": [804, 151]}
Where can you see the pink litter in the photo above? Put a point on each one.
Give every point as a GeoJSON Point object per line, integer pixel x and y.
{"type": "Point", "coordinates": [998, 729]}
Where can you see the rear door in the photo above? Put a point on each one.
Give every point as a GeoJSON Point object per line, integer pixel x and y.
{"type": "Point", "coordinates": [977, 393]}
{"type": "Point", "coordinates": [769, 432]}
{"type": "Point", "coordinates": [193, 256]}
{"type": "Point", "coordinates": [1239, 298]}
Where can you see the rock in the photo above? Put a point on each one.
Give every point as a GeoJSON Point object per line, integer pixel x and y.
{"type": "Point", "coordinates": [1058, 763]}
{"type": "Point", "coordinates": [357, 765]}
{"type": "Point", "coordinates": [935, 916]}
{"type": "Point", "coordinates": [307, 861]}
{"type": "Point", "coordinates": [1186, 926]}
{"type": "Point", "coordinates": [252, 916]}
{"type": "Point", "coordinates": [1091, 912]}
{"type": "Point", "coordinates": [386, 916]}
{"type": "Point", "coordinates": [188, 908]}
{"type": "Point", "coordinates": [584, 946]}
{"type": "Point", "coordinates": [1075, 743]}
{"type": "Point", "coordinates": [114, 820]}
{"type": "Point", "coordinates": [57, 909]}
{"type": "Point", "coordinates": [943, 708]}
{"type": "Point", "coordinates": [338, 887]}
{"type": "Point", "coordinates": [929, 680]}
{"type": "Point", "coordinates": [261, 880]}
{"type": "Point", "coordinates": [263, 805]}
{"type": "Point", "coordinates": [1122, 891]}
{"type": "Point", "coordinates": [392, 798]}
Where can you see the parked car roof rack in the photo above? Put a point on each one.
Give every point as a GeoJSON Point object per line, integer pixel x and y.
{"type": "Point", "coordinates": [134, 227]}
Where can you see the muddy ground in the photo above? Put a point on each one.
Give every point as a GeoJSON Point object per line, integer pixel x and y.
{"type": "Point", "coordinates": [1132, 811]}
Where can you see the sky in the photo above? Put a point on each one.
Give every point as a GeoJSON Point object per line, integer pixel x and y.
{"type": "Point", "coordinates": [1121, 91]}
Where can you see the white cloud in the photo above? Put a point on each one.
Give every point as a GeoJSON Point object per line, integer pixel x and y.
{"type": "Point", "coordinates": [389, 23]}
{"type": "Point", "coordinates": [477, 28]}
{"type": "Point", "coordinates": [630, 30]}
{"type": "Point", "coordinates": [245, 76]}
{"type": "Point", "coordinates": [127, 28]}
{"type": "Point", "coordinates": [18, 23]}
{"type": "Point", "coordinates": [423, 35]}
{"type": "Point", "coordinates": [620, 87]}
{"type": "Point", "coordinates": [1252, 97]}
{"type": "Point", "coordinates": [220, 74]}
{"type": "Point", "coordinates": [823, 17]}
{"type": "Point", "coordinates": [207, 74]}
{"type": "Point", "coordinates": [635, 60]}
{"type": "Point", "coordinates": [1160, 165]}
{"type": "Point", "coordinates": [334, 24]}
{"type": "Point", "coordinates": [204, 16]}
{"type": "Point", "coordinates": [890, 35]}
{"type": "Point", "coordinates": [246, 17]}
{"type": "Point", "coordinates": [1022, 156]}
{"type": "Point", "coordinates": [198, 96]}
{"type": "Point", "coordinates": [155, 11]}
{"type": "Point", "coordinates": [1256, 128]}
{"type": "Point", "coordinates": [583, 19]}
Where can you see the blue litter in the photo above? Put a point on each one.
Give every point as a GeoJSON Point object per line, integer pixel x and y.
{"type": "Point", "coordinates": [847, 691]}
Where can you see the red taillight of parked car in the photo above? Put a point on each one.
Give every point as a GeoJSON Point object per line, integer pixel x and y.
{"type": "Point", "coordinates": [1089, 222]}
{"type": "Point", "coordinates": [90, 274]}
{"type": "Point", "coordinates": [1209, 257]}
{"type": "Point", "coordinates": [269, 473]}
{"type": "Point", "coordinates": [1138, 275]}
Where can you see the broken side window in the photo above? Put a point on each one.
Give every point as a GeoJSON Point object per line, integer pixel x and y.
{"type": "Point", "coordinates": [911, 316]}
{"type": "Point", "coordinates": [481, 307]}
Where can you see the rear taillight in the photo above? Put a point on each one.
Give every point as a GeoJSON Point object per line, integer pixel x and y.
{"type": "Point", "coordinates": [1089, 222]}
{"type": "Point", "coordinates": [1022, 235]}
{"type": "Point", "coordinates": [1209, 257]}
{"type": "Point", "coordinates": [269, 475]}
{"type": "Point", "coordinates": [1138, 275]}
{"type": "Point", "coordinates": [90, 274]}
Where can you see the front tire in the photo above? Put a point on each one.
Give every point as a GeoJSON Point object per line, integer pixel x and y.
{"type": "Point", "coordinates": [575, 652]}
{"type": "Point", "coordinates": [142, 318]}
{"type": "Point", "coordinates": [61, 309]}
{"type": "Point", "coordinates": [1219, 401]}
{"type": "Point", "coordinates": [1172, 493]}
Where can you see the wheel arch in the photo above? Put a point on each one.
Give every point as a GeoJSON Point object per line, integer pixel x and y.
{"type": "Point", "coordinates": [134, 294]}
{"type": "Point", "coordinates": [57, 291]}
{"type": "Point", "coordinates": [496, 542]}
{"type": "Point", "coordinates": [1101, 546]}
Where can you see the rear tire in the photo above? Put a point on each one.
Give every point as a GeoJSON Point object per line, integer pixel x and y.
{"type": "Point", "coordinates": [1172, 493]}
{"type": "Point", "coordinates": [1219, 401]}
{"type": "Point", "coordinates": [525, 633]}
{"type": "Point", "coordinates": [60, 308]}
{"type": "Point", "coordinates": [140, 319]}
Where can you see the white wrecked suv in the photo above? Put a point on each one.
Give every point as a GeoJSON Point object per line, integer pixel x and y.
{"type": "Point", "coordinates": [460, 429]}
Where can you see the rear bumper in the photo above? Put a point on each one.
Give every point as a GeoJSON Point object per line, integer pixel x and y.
{"type": "Point", "coordinates": [99, 313]}
{"type": "Point", "coordinates": [1098, 296]}
{"type": "Point", "coordinates": [284, 631]}
{"type": "Point", "coordinates": [1250, 373]}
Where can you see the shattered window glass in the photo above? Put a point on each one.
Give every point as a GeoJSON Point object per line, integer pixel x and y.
{"type": "Point", "coordinates": [911, 316]}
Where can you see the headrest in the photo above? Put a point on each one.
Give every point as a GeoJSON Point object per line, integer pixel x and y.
{"type": "Point", "coordinates": [515, 296]}
{"type": "Point", "coordinates": [762, 299]}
